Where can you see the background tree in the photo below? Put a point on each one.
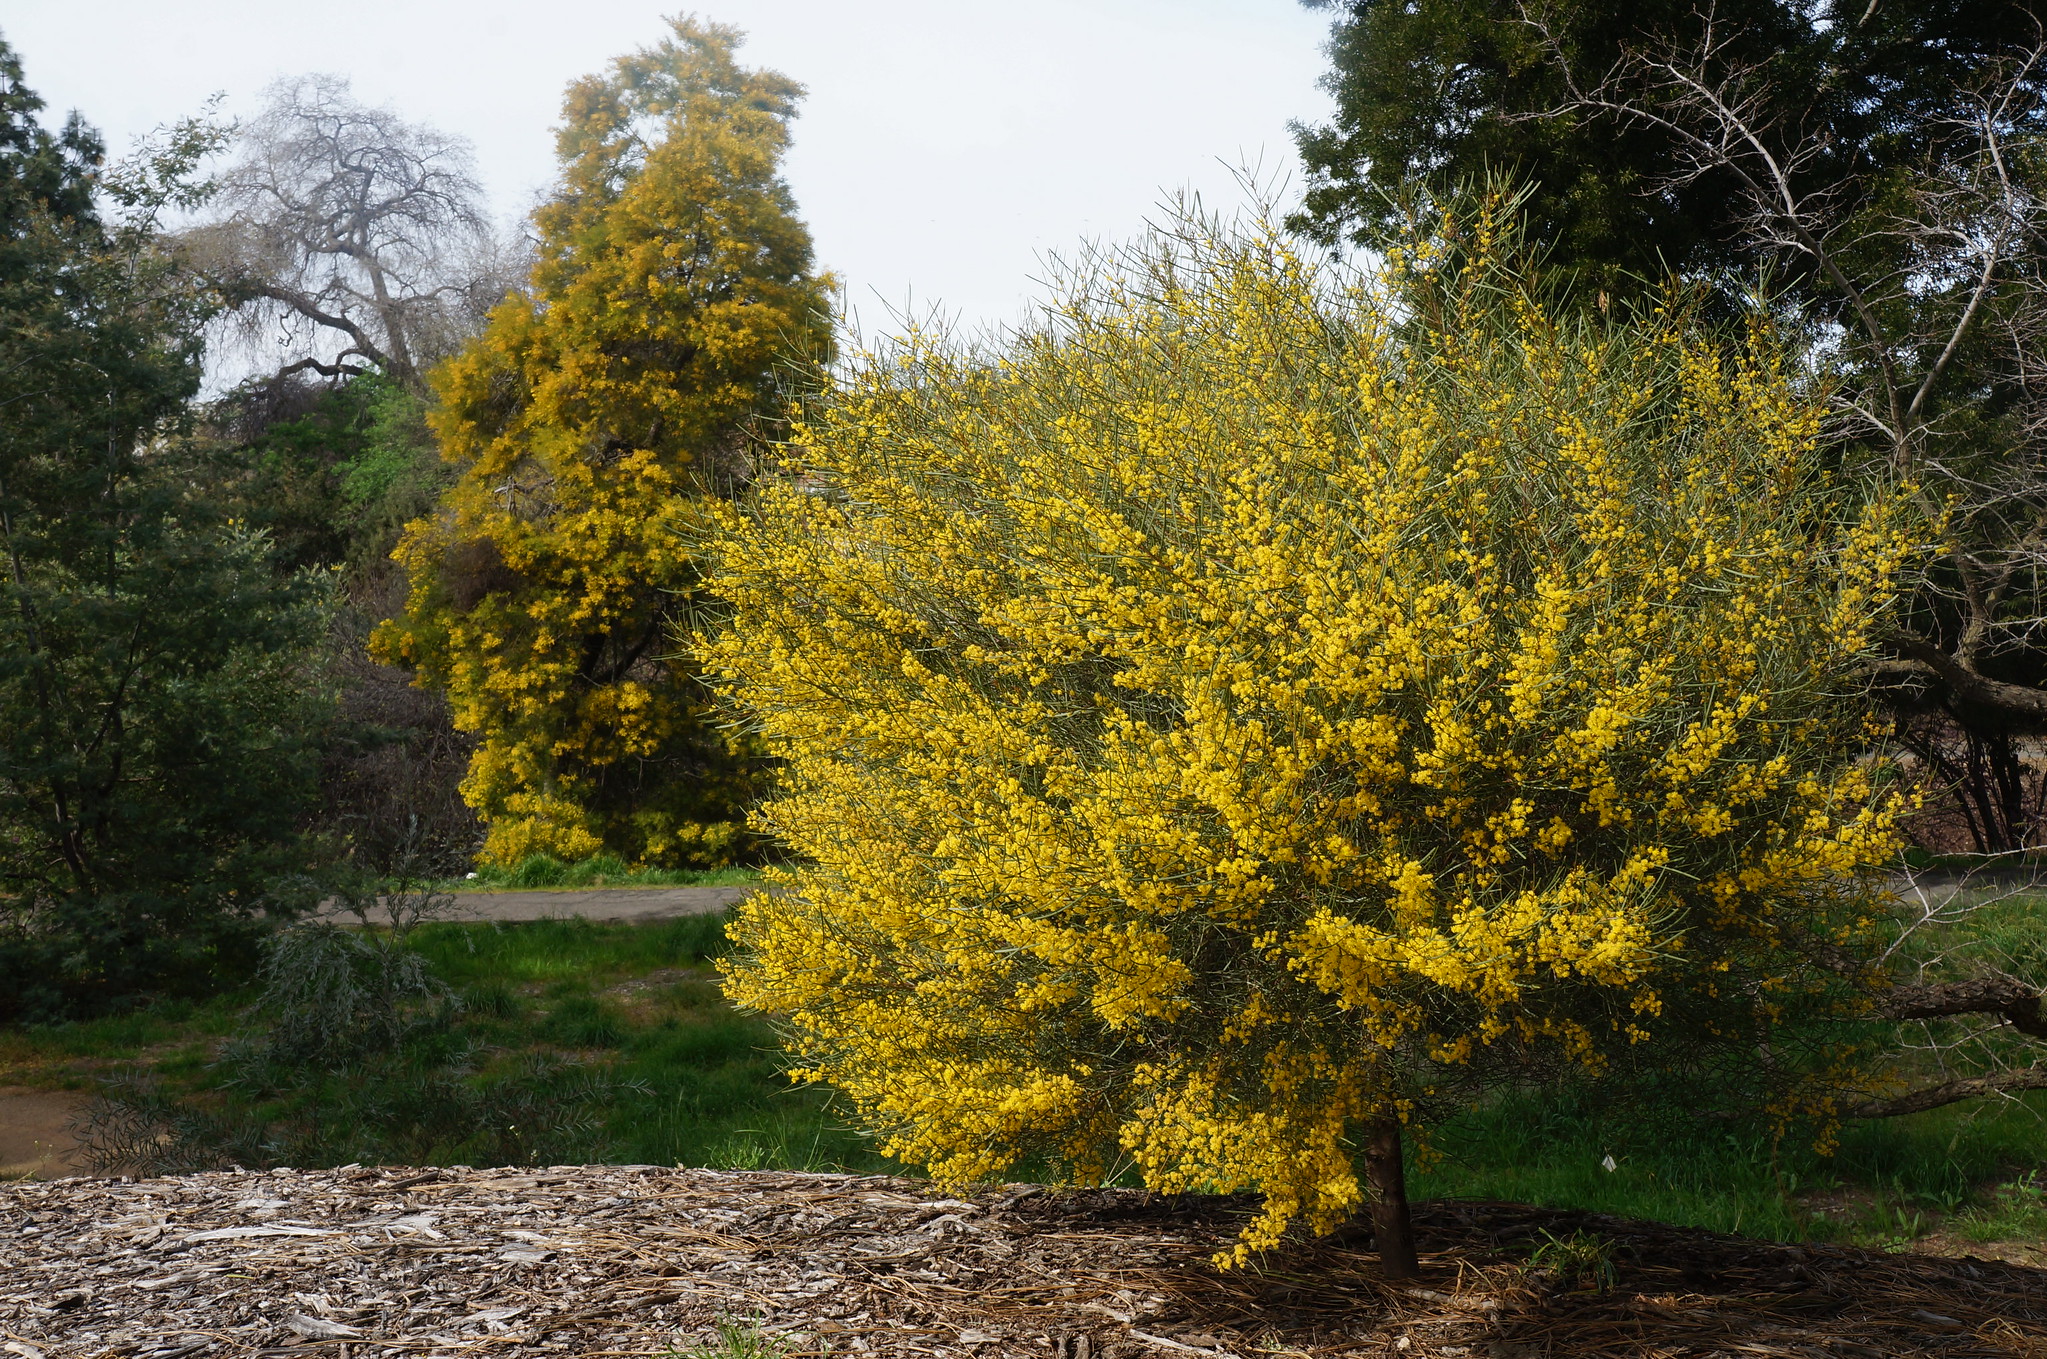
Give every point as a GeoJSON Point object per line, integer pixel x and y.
{"type": "Point", "coordinates": [1450, 91]}
{"type": "Point", "coordinates": [1881, 170]}
{"type": "Point", "coordinates": [156, 728]}
{"type": "Point", "coordinates": [1261, 700]}
{"type": "Point", "coordinates": [348, 238]}
{"type": "Point", "coordinates": [331, 472]}
{"type": "Point", "coordinates": [350, 249]}
{"type": "Point", "coordinates": [589, 423]}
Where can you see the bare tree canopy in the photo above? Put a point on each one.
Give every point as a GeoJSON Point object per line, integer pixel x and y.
{"type": "Point", "coordinates": [348, 238]}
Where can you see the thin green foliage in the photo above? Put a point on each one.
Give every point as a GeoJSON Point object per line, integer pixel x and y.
{"type": "Point", "coordinates": [733, 1339]}
{"type": "Point", "coordinates": [1579, 1260]}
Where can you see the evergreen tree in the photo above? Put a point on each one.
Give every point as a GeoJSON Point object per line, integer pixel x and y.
{"type": "Point", "coordinates": [1459, 90]}
{"type": "Point", "coordinates": [155, 734]}
{"type": "Point", "coordinates": [589, 424]}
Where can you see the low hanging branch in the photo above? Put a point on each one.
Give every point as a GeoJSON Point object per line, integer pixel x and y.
{"type": "Point", "coordinates": [1952, 1092]}
{"type": "Point", "coordinates": [2018, 1002]}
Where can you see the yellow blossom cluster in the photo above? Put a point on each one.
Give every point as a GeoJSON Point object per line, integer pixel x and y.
{"type": "Point", "coordinates": [1253, 689]}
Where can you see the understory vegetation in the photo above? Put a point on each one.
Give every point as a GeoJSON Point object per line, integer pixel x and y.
{"type": "Point", "coordinates": [569, 1042]}
{"type": "Point", "coordinates": [551, 1042]}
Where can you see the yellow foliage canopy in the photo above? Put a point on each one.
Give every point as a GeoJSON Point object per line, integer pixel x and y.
{"type": "Point", "coordinates": [1239, 700]}
{"type": "Point", "coordinates": [592, 421]}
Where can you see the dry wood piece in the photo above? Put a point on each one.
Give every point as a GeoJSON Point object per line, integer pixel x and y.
{"type": "Point", "coordinates": [637, 1260]}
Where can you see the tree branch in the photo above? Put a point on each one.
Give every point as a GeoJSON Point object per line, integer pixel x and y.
{"type": "Point", "coordinates": [1951, 1092]}
{"type": "Point", "coordinates": [332, 370]}
{"type": "Point", "coordinates": [1968, 685]}
{"type": "Point", "coordinates": [311, 310]}
{"type": "Point", "coordinates": [2017, 1002]}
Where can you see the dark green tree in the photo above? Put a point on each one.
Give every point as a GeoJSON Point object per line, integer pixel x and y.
{"type": "Point", "coordinates": [157, 738]}
{"type": "Point", "coordinates": [331, 471]}
{"type": "Point", "coordinates": [1458, 90]}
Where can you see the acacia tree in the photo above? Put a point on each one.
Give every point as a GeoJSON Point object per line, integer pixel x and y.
{"type": "Point", "coordinates": [590, 423]}
{"type": "Point", "coordinates": [1249, 707]}
{"type": "Point", "coordinates": [350, 238]}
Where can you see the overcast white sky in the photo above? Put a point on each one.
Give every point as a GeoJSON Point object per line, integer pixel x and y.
{"type": "Point", "coordinates": [943, 149]}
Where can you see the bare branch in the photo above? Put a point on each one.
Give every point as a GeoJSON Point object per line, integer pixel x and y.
{"type": "Point", "coordinates": [344, 225]}
{"type": "Point", "coordinates": [1952, 1092]}
{"type": "Point", "coordinates": [2018, 1003]}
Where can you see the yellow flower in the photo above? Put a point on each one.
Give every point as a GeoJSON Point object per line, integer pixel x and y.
{"type": "Point", "coordinates": [1224, 708]}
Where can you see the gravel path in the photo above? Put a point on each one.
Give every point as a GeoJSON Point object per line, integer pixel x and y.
{"type": "Point", "coordinates": [598, 903]}
{"type": "Point", "coordinates": [595, 903]}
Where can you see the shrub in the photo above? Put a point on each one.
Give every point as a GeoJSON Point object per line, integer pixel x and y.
{"type": "Point", "coordinates": [1260, 697]}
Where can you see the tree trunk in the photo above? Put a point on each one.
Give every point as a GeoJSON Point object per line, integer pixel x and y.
{"type": "Point", "coordinates": [1392, 1229]}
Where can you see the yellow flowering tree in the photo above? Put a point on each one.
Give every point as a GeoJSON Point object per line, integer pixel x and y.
{"type": "Point", "coordinates": [1257, 695]}
{"type": "Point", "coordinates": [593, 421]}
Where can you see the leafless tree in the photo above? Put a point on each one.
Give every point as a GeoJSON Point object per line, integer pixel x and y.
{"type": "Point", "coordinates": [348, 237]}
{"type": "Point", "coordinates": [1926, 298]}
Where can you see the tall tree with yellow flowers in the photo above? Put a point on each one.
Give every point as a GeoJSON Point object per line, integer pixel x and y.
{"type": "Point", "coordinates": [593, 421]}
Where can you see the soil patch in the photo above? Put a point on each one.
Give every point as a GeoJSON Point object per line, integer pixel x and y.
{"type": "Point", "coordinates": [629, 1260]}
{"type": "Point", "coordinates": [35, 1134]}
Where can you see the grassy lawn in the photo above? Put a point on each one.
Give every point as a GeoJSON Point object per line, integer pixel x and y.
{"type": "Point", "coordinates": [643, 1002]}
{"type": "Point", "coordinates": [687, 1080]}
{"type": "Point", "coordinates": [681, 1078]}
{"type": "Point", "coordinates": [1970, 1173]}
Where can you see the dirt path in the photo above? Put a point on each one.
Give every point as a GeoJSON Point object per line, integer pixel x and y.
{"type": "Point", "coordinates": [596, 903]}
{"type": "Point", "coordinates": [35, 1133]}
{"type": "Point", "coordinates": [599, 903]}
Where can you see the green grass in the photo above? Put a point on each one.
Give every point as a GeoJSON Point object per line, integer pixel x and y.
{"type": "Point", "coordinates": [2016, 1212]}
{"type": "Point", "coordinates": [175, 1033]}
{"type": "Point", "coordinates": [542, 872]}
{"type": "Point", "coordinates": [1889, 1180]}
{"type": "Point", "coordinates": [736, 1340]}
{"type": "Point", "coordinates": [644, 1002]}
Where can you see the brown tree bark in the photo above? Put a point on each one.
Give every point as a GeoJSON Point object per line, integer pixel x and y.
{"type": "Point", "coordinates": [1392, 1228]}
{"type": "Point", "coordinates": [2020, 1004]}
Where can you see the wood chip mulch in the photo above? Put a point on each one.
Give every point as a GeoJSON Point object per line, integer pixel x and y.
{"type": "Point", "coordinates": [634, 1260]}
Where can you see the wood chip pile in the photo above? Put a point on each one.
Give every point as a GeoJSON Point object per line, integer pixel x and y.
{"type": "Point", "coordinates": [628, 1260]}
